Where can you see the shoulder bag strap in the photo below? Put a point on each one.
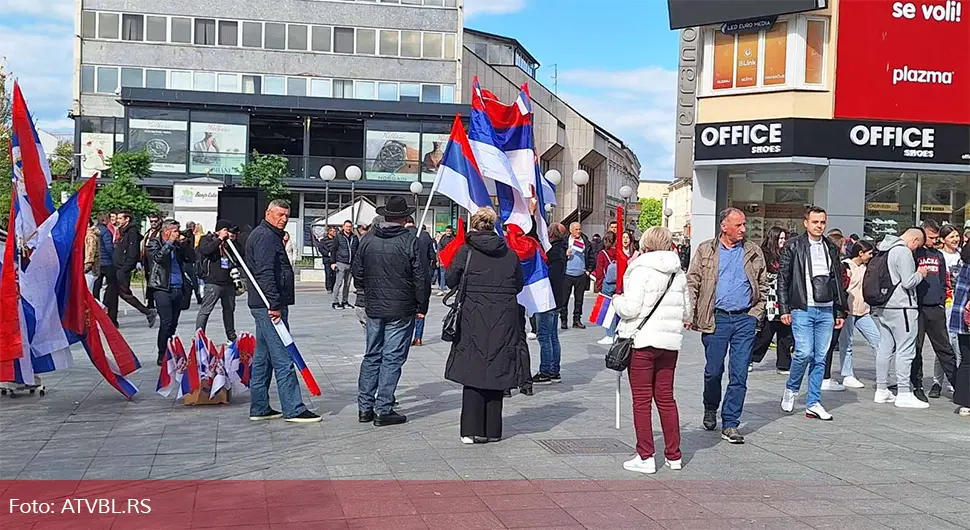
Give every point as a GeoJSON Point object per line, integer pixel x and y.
{"type": "Point", "coordinates": [464, 277]}
{"type": "Point", "coordinates": [655, 306]}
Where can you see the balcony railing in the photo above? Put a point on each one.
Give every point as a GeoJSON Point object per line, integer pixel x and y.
{"type": "Point", "coordinates": [387, 169]}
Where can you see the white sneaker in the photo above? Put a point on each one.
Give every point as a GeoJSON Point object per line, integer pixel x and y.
{"type": "Point", "coordinates": [832, 386]}
{"type": "Point", "coordinates": [818, 412]}
{"type": "Point", "coordinates": [906, 400]}
{"type": "Point", "coordinates": [964, 411]}
{"type": "Point", "coordinates": [531, 336]}
{"type": "Point", "coordinates": [788, 400]}
{"type": "Point", "coordinates": [751, 367]}
{"type": "Point", "coordinates": [852, 382]}
{"type": "Point", "coordinates": [605, 341]}
{"type": "Point", "coordinates": [648, 466]}
{"type": "Point", "coordinates": [677, 465]}
{"type": "Point", "coordinates": [468, 440]}
{"type": "Point", "coordinates": [883, 396]}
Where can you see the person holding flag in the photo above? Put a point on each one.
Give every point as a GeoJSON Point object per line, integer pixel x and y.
{"type": "Point", "coordinates": [548, 333]}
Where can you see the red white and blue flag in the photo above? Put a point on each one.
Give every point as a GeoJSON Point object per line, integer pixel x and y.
{"type": "Point", "coordinates": [31, 173]}
{"type": "Point", "coordinates": [459, 177]}
{"type": "Point", "coordinates": [602, 313]}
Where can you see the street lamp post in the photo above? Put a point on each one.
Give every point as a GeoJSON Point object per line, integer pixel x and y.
{"type": "Point", "coordinates": [353, 175]}
{"type": "Point", "coordinates": [554, 177]}
{"type": "Point", "coordinates": [626, 192]}
{"type": "Point", "coordinates": [327, 174]}
{"type": "Point", "coordinates": [580, 179]}
{"type": "Point", "coordinates": [667, 213]}
{"type": "Point", "coordinates": [416, 189]}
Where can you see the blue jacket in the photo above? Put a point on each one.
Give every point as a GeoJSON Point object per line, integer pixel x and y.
{"type": "Point", "coordinates": [107, 245]}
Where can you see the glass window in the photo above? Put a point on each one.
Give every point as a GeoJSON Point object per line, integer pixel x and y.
{"type": "Point", "coordinates": [343, 88]}
{"type": "Point", "coordinates": [133, 77]}
{"type": "Point", "coordinates": [275, 36]}
{"type": "Point", "coordinates": [228, 33]}
{"type": "Point", "coordinates": [411, 2]}
{"type": "Point", "coordinates": [343, 40]}
{"type": "Point", "coordinates": [410, 92]}
{"type": "Point", "coordinates": [87, 79]}
{"type": "Point", "coordinates": [481, 49]}
{"type": "Point", "coordinates": [88, 23]}
{"type": "Point", "coordinates": [432, 46]}
{"type": "Point", "coordinates": [296, 37]}
{"type": "Point", "coordinates": [776, 55]}
{"type": "Point", "coordinates": [204, 81]}
{"type": "Point", "coordinates": [274, 85]}
{"type": "Point", "coordinates": [251, 84]}
{"type": "Point", "coordinates": [451, 3]}
{"type": "Point", "coordinates": [108, 25]}
{"type": "Point", "coordinates": [890, 202]}
{"type": "Point", "coordinates": [228, 83]}
{"type": "Point", "coordinates": [155, 78]}
{"type": "Point", "coordinates": [205, 31]}
{"type": "Point", "coordinates": [387, 91]}
{"type": "Point", "coordinates": [410, 44]}
{"type": "Point", "coordinates": [366, 41]}
{"type": "Point", "coordinates": [447, 93]}
{"type": "Point", "coordinates": [252, 35]}
{"type": "Point", "coordinates": [365, 90]}
{"type": "Point", "coordinates": [944, 198]}
{"type": "Point", "coordinates": [132, 27]}
{"type": "Point", "coordinates": [320, 39]}
{"type": "Point", "coordinates": [436, 3]}
{"type": "Point", "coordinates": [320, 88]}
{"type": "Point", "coordinates": [746, 69]}
{"type": "Point", "coordinates": [723, 61]}
{"type": "Point", "coordinates": [181, 80]}
{"type": "Point", "coordinates": [295, 86]}
{"type": "Point", "coordinates": [389, 42]}
{"type": "Point", "coordinates": [814, 48]}
{"type": "Point", "coordinates": [182, 30]}
{"type": "Point", "coordinates": [431, 93]}
{"type": "Point", "coordinates": [107, 80]}
{"type": "Point", "coordinates": [156, 29]}
{"type": "Point", "coordinates": [450, 45]}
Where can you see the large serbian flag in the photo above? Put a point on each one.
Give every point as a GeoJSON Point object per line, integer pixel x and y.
{"type": "Point", "coordinates": [31, 173]}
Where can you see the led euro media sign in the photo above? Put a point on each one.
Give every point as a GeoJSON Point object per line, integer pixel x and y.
{"type": "Point", "coordinates": [689, 13]}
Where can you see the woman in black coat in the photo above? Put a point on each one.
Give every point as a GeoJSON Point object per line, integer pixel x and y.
{"type": "Point", "coordinates": [486, 359]}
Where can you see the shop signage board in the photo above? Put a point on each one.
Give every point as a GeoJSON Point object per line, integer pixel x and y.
{"type": "Point", "coordinates": [934, 143]}
{"type": "Point", "coordinates": [906, 60]}
{"type": "Point", "coordinates": [688, 13]}
{"type": "Point", "coordinates": [753, 25]}
{"type": "Point", "coordinates": [883, 206]}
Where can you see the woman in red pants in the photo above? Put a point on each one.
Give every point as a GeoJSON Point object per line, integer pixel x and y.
{"type": "Point", "coordinates": [654, 299]}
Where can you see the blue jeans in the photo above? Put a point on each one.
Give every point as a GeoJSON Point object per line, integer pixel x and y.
{"type": "Point", "coordinates": [611, 330]}
{"type": "Point", "coordinates": [388, 344]}
{"type": "Point", "coordinates": [812, 329]}
{"type": "Point", "coordinates": [441, 278]}
{"type": "Point", "coordinates": [550, 354]}
{"type": "Point", "coordinates": [738, 332]}
{"type": "Point", "coordinates": [868, 328]}
{"type": "Point", "coordinates": [419, 328]}
{"type": "Point", "coordinates": [271, 356]}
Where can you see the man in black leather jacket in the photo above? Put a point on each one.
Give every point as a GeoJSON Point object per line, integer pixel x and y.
{"type": "Point", "coordinates": [814, 302]}
{"type": "Point", "coordinates": [166, 279]}
{"type": "Point", "coordinates": [388, 268]}
{"type": "Point", "coordinates": [127, 251]}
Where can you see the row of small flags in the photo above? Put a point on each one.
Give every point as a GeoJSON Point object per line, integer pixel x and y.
{"type": "Point", "coordinates": [205, 366]}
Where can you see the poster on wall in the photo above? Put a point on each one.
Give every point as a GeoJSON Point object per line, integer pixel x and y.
{"type": "Point", "coordinates": [723, 61]}
{"type": "Point", "coordinates": [96, 150]}
{"type": "Point", "coordinates": [217, 148]}
{"type": "Point", "coordinates": [432, 154]}
{"type": "Point", "coordinates": [746, 73]}
{"type": "Point", "coordinates": [393, 155]}
{"type": "Point", "coordinates": [442, 220]}
{"type": "Point", "coordinates": [776, 48]}
{"type": "Point", "coordinates": [166, 141]}
{"type": "Point", "coordinates": [904, 60]}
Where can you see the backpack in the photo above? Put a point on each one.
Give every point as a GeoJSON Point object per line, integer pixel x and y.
{"type": "Point", "coordinates": [877, 284]}
{"type": "Point", "coordinates": [609, 279]}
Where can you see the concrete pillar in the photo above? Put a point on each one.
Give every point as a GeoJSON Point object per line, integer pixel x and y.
{"type": "Point", "coordinates": [841, 190]}
{"type": "Point", "coordinates": [706, 197]}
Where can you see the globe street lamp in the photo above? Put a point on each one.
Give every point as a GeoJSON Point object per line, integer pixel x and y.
{"type": "Point", "coordinates": [353, 173]}
{"type": "Point", "coordinates": [667, 213]}
{"type": "Point", "coordinates": [554, 177]}
{"type": "Point", "coordinates": [626, 192]}
{"type": "Point", "coordinates": [327, 174]}
{"type": "Point", "coordinates": [417, 188]}
{"type": "Point", "coordinates": [580, 179]}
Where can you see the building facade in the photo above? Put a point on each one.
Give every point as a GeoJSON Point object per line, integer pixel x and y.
{"type": "Point", "coordinates": [838, 107]}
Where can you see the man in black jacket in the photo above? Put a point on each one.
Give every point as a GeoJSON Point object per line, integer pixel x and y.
{"type": "Point", "coordinates": [932, 320]}
{"type": "Point", "coordinates": [166, 279]}
{"type": "Point", "coordinates": [813, 302]}
{"type": "Point", "coordinates": [388, 268]}
{"type": "Point", "coordinates": [549, 350]}
{"type": "Point", "coordinates": [214, 267]}
{"type": "Point", "coordinates": [428, 259]}
{"type": "Point", "coordinates": [127, 252]}
{"type": "Point", "coordinates": [344, 249]}
{"type": "Point", "coordinates": [272, 276]}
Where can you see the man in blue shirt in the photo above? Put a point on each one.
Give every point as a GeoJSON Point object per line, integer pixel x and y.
{"type": "Point", "coordinates": [580, 262]}
{"type": "Point", "coordinates": [728, 285]}
{"type": "Point", "coordinates": [165, 278]}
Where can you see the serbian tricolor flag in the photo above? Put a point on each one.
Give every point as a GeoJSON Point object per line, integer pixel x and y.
{"type": "Point", "coordinates": [168, 375]}
{"type": "Point", "coordinates": [220, 378]}
{"type": "Point", "coordinates": [311, 383]}
{"type": "Point", "coordinates": [190, 378]}
{"type": "Point", "coordinates": [31, 173]}
{"type": "Point", "coordinates": [602, 313]}
{"type": "Point", "coordinates": [536, 295]}
{"type": "Point", "coordinates": [12, 345]}
{"type": "Point", "coordinates": [459, 177]}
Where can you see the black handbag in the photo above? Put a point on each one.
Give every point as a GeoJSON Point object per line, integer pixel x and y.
{"type": "Point", "coordinates": [450, 328]}
{"type": "Point", "coordinates": [618, 358]}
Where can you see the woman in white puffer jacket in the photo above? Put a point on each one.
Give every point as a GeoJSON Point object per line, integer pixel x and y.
{"type": "Point", "coordinates": [654, 279]}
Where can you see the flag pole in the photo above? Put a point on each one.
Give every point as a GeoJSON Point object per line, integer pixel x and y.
{"type": "Point", "coordinates": [427, 205]}
{"type": "Point", "coordinates": [618, 374]}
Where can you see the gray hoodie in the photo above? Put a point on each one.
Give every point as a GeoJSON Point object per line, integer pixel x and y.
{"type": "Point", "coordinates": [902, 270]}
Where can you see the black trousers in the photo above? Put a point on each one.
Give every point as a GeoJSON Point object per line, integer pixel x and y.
{"type": "Point", "coordinates": [102, 280]}
{"type": "Point", "coordinates": [331, 276]}
{"type": "Point", "coordinates": [225, 295]}
{"type": "Point", "coordinates": [169, 305]}
{"type": "Point", "coordinates": [578, 286]}
{"type": "Point", "coordinates": [961, 387]}
{"type": "Point", "coordinates": [481, 412]}
{"type": "Point", "coordinates": [785, 341]}
{"type": "Point", "coordinates": [119, 286]}
{"type": "Point", "coordinates": [834, 345]}
{"type": "Point", "coordinates": [149, 297]}
{"type": "Point", "coordinates": [932, 323]}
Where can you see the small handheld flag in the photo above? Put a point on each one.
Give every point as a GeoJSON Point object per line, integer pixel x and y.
{"type": "Point", "coordinates": [602, 313]}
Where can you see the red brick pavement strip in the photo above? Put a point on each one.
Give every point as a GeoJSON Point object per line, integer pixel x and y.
{"type": "Point", "coordinates": [407, 505]}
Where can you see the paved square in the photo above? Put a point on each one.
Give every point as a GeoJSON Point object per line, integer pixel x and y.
{"type": "Point", "coordinates": [875, 466]}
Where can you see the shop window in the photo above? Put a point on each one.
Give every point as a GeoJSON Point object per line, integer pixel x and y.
{"type": "Point", "coordinates": [890, 202]}
{"type": "Point", "coordinates": [944, 197]}
{"type": "Point", "coordinates": [767, 202]}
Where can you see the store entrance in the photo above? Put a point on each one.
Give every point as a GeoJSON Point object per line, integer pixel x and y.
{"type": "Point", "coordinates": [770, 204]}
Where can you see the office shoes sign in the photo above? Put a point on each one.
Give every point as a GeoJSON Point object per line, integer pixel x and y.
{"type": "Point", "coordinates": [905, 60]}
{"type": "Point", "coordinates": [937, 143]}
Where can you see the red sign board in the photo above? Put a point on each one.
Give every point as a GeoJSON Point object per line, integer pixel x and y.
{"type": "Point", "coordinates": [905, 60]}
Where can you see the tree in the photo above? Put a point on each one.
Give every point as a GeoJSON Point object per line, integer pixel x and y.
{"type": "Point", "coordinates": [60, 186]}
{"type": "Point", "coordinates": [123, 192]}
{"type": "Point", "coordinates": [651, 213]}
{"type": "Point", "coordinates": [267, 172]}
{"type": "Point", "coordinates": [62, 160]}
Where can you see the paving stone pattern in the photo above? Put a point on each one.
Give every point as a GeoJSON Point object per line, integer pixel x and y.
{"type": "Point", "coordinates": [875, 466]}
